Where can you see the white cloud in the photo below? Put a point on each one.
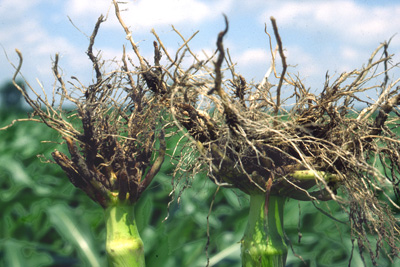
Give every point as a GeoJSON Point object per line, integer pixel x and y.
{"type": "Point", "coordinates": [342, 18]}
{"type": "Point", "coordinates": [258, 60]}
{"type": "Point", "coordinates": [336, 35]}
{"type": "Point", "coordinates": [324, 35]}
{"type": "Point", "coordinates": [14, 9]}
{"type": "Point", "coordinates": [253, 57]}
{"type": "Point", "coordinates": [87, 8]}
{"type": "Point", "coordinates": [350, 53]}
{"type": "Point", "coordinates": [143, 15]}
{"type": "Point", "coordinates": [38, 46]}
{"type": "Point", "coordinates": [251, 63]}
{"type": "Point", "coordinates": [302, 62]}
{"type": "Point", "coordinates": [146, 14]}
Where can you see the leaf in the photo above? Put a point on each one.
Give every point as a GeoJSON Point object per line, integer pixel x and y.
{"type": "Point", "coordinates": [74, 232]}
{"type": "Point", "coordinates": [20, 253]}
{"type": "Point", "coordinates": [143, 212]}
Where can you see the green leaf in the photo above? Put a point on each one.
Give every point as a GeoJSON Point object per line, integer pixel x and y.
{"type": "Point", "coordinates": [69, 227]}
{"type": "Point", "coordinates": [20, 254]}
{"type": "Point", "coordinates": [143, 212]}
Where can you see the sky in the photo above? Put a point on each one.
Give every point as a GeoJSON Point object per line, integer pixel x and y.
{"type": "Point", "coordinates": [318, 36]}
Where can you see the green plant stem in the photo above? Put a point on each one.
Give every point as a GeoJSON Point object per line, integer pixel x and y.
{"type": "Point", "coordinates": [124, 246]}
{"type": "Point", "coordinates": [263, 243]}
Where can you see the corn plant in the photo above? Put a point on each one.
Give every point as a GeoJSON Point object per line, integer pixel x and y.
{"type": "Point", "coordinates": [309, 147]}
{"type": "Point", "coordinates": [114, 137]}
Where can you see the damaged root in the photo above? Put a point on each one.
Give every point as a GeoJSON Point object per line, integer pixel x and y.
{"type": "Point", "coordinates": [315, 147]}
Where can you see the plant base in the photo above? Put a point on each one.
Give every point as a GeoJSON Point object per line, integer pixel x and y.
{"type": "Point", "coordinates": [124, 246]}
{"type": "Point", "coordinates": [263, 243]}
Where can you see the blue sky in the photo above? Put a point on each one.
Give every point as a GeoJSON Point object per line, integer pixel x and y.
{"type": "Point", "coordinates": [336, 35]}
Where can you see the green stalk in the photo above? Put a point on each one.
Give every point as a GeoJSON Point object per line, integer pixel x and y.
{"type": "Point", "coordinates": [124, 246]}
{"type": "Point", "coordinates": [263, 243]}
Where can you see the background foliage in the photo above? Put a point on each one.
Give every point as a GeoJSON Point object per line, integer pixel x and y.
{"type": "Point", "coordinates": [45, 221]}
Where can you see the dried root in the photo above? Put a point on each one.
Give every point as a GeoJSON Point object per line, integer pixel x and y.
{"type": "Point", "coordinates": [111, 134]}
{"type": "Point", "coordinates": [307, 147]}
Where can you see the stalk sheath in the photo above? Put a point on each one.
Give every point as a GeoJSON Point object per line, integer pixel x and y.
{"type": "Point", "coordinates": [263, 243]}
{"type": "Point", "coordinates": [124, 246]}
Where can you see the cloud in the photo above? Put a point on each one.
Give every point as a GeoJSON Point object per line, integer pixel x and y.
{"type": "Point", "coordinates": [303, 63]}
{"type": "Point", "coordinates": [14, 9]}
{"type": "Point", "coordinates": [337, 35]}
{"type": "Point", "coordinates": [342, 19]}
{"type": "Point", "coordinates": [317, 35]}
{"type": "Point", "coordinates": [259, 60]}
{"type": "Point", "coordinates": [253, 57]}
{"type": "Point", "coordinates": [146, 14]}
{"type": "Point", "coordinates": [350, 53]}
{"type": "Point", "coordinates": [87, 8]}
{"type": "Point", "coordinates": [38, 47]}
{"type": "Point", "coordinates": [252, 63]}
